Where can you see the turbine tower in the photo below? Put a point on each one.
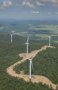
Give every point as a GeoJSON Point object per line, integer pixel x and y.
{"type": "Point", "coordinates": [27, 43]}
{"type": "Point", "coordinates": [11, 37]}
{"type": "Point", "coordinates": [12, 32]}
{"type": "Point", "coordinates": [30, 69]}
{"type": "Point", "coordinates": [49, 41]}
{"type": "Point", "coordinates": [30, 60]}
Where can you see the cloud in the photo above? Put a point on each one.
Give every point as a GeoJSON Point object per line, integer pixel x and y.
{"type": "Point", "coordinates": [16, 5]}
{"type": "Point", "coordinates": [52, 1]}
{"type": "Point", "coordinates": [27, 3]}
{"type": "Point", "coordinates": [39, 4]}
{"type": "Point", "coordinates": [35, 12]}
{"type": "Point", "coordinates": [49, 13]}
{"type": "Point", "coordinates": [56, 13]}
{"type": "Point", "coordinates": [7, 3]}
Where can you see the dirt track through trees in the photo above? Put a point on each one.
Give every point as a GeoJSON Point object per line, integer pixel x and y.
{"type": "Point", "coordinates": [35, 78]}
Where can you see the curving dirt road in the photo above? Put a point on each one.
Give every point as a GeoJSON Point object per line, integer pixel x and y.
{"type": "Point", "coordinates": [35, 78]}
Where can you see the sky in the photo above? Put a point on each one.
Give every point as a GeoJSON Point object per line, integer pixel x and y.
{"type": "Point", "coordinates": [28, 9]}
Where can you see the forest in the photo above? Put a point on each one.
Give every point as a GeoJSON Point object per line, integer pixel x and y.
{"type": "Point", "coordinates": [44, 64]}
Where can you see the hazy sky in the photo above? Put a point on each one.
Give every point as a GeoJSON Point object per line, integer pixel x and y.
{"type": "Point", "coordinates": [28, 9]}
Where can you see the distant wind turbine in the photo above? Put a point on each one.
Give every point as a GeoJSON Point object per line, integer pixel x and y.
{"type": "Point", "coordinates": [49, 40]}
{"type": "Point", "coordinates": [27, 43]}
{"type": "Point", "coordinates": [12, 32]}
{"type": "Point", "coordinates": [11, 38]}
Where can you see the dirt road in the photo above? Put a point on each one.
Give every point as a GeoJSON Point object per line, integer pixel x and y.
{"type": "Point", "coordinates": [35, 78]}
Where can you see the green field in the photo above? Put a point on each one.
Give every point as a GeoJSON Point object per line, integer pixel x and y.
{"type": "Point", "coordinates": [35, 30]}
{"type": "Point", "coordinates": [9, 55]}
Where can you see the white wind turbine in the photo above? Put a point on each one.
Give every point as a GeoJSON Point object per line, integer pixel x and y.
{"type": "Point", "coordinates": [30, 64]}
{"type": "Point", "coordinates": [11, 38]}
{"type": "Point", "coordinates": [12, 32]}
{"type": "Point", "coordinates": [27, 44]}
{"type": "Point", "coordinates": [49, 41]}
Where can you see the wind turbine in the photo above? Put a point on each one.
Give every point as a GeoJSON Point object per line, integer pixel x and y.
{"type": "Point", "coordinates": [30, 63]}
{"type": "Point", "coordinates": [27, 43]}
{"type": "Point", "coordinates": [30, 69]}
{"type": "Point", "coordinates": [11, 37]}
{"type": "Point", "coordinates": [12, 32]}
{"type": "Point", "coordinates": [49, 41]}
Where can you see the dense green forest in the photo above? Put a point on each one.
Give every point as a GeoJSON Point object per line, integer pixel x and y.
{"type": "Point", "coordinates": [9, 55]}
{"type": "Point", "coordinates": [45, 63]}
